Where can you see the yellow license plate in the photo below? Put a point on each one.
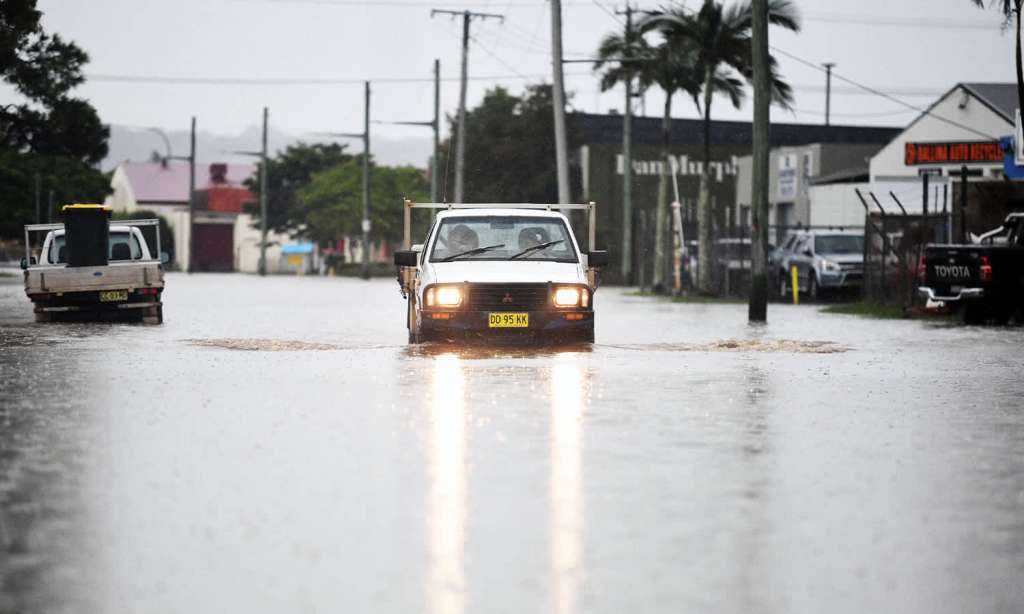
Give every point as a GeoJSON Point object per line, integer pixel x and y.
{"type": "Point", "coordinates": [108, 296]}
{"type": "Point", "coordinates": [508, 320]}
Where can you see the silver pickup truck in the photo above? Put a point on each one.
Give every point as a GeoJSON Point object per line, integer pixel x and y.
{"type": "Point", "coordinates": [128, 284]}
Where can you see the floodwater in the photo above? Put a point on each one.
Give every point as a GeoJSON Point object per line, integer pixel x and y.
{"type": "Point", "coordinates": [276, 447]}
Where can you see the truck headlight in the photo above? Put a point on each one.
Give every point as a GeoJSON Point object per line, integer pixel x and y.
{"type": "Point", "coordinates": [567, 297]}
{"type": "Point", "coordinates": [830, 266]}
{"type": "Point", "coordinates": [447, 296]}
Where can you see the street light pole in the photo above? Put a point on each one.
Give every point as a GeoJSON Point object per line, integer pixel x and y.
{"type": "Point", "coordinates": [263, 196]}
{"type": "Point", "coordinates": [366, 184]}
{"type": "Point", "coordinates": [192, 197]}
{"type": "Point", "coordinates": [435, 164]}
{"type": "Point", "coordinates": [365, 136]}
{"type": "Point", "coordinates": [435, 124]}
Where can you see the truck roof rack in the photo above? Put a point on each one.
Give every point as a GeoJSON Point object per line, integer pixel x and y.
{"type": "Point", "coordinates": [590, 209]}
{"type": "Point", "coordinates": [541, 206]}
{"type": "Point", "coordinates": [31, 228]}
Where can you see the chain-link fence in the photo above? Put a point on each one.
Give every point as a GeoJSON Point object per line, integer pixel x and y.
{"type": "Point", "coordinates": [893, 246]}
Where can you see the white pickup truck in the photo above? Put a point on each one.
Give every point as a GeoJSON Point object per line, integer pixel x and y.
{"type": "Point", "coordinates": [495, 271]}
{"type": "Point", "coordinates": [128, 286]}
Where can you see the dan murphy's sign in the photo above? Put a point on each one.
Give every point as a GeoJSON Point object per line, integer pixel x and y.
{"type": "Point", "coordinates": [963, 152]}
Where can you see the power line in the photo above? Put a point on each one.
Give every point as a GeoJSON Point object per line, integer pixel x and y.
{"type": "Point", "coordinates": [330, 81]}
{"type": "Point", "coordinates": [820, 68]}
{"type": "Point", "coordinates": [903, 22]}
{"type": "Point", "coordinates": [882, 94]}
{"type": "Point", "coordinates": [608, 12]}
{"type": "Point", "coordinates": [835, 18]}
{"type": "Point", "coordinates": [834, 114]}
{"type": "Point", "coordinates": [460, 142]}
{"type": "Point", "coordinates": [497, 58]}
{"type": "Point", "coordinates": [109, 78]}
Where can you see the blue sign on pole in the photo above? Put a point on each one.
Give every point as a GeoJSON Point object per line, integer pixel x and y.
{"type": "Point", "coordinates": [1010, 168]}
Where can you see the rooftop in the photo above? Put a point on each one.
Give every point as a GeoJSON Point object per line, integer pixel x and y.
{"type": "Point", "coordinates": [1001, 97]}
{"type": "Point", "coordinates": [167, 183]}
{"type": "Point", "coordinates": [607, 129]}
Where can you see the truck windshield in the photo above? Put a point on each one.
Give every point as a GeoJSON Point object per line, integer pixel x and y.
{"type": "Point", "coordinates": [129, 248]}
{"type": "Point", "coordinates": [839, 244]}
{"type": "Point", "coordinates": [457, 235]}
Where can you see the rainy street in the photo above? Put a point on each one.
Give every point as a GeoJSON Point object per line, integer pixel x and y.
{"type": "Point", "coordinates": [276, 446]}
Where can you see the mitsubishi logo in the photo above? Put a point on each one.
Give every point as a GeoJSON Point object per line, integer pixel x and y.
{"type": "Point", "coordinates": [507, 298]}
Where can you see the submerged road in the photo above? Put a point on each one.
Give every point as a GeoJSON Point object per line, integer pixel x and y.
{"type": "Point", "coordinates": [276, 447]}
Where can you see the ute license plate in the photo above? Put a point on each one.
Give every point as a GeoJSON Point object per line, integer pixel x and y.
{"type": "Point", "coordinates": [109, 296]}
{"type": "Point", "coordinates": [508, 320]}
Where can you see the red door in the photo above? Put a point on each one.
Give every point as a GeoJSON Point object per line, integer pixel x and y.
{"type": "Point", "coordinates": [215, 247]}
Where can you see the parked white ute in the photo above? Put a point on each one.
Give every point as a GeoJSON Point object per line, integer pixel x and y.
{"type": "Point", "coordinates": [496, 271]}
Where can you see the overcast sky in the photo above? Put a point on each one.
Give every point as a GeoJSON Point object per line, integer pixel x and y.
{"type": "Point", "coordinates": [915, 49]}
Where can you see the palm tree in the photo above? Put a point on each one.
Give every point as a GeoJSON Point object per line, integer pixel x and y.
{"type": "Point", "coordinates": [669, 66]}
{"type": "Point", "coordinates": [673, 70]}
{"type": "Point", "coordinates": [1010, 10]}
{"type": "Point", "coordinates": [721, 42]}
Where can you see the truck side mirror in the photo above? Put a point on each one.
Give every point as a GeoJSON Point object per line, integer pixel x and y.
{"type": "Point", "coordinates": [24, 264]}
{"type": "Point", "coordinates": [807, 252]}
{"type": "Point", "coordinates": [597, 258]}
{"type": "Point", "coordinates": [164, 257]}
{"type": "Point", "coordinates": [406, 258]}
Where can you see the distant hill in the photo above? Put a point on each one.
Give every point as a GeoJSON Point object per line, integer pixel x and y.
{"type": "Point", "coordinates": [132, 143]}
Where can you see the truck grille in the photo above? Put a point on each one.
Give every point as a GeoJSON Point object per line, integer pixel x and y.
{"type": "Point", "coordinates": [508, 297]}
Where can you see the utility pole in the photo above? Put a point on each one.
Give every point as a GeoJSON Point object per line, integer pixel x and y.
{"type": "Point", "coordinates": [558, 101]}
{"type": "Point", "coordinates": [263, 196]}
{"type": "Point", "coordinates": [435, 124]}
{"type": "Point", "coordinates": [39, 219]}
{"type": "Point", "coordinates": [758, 307]}
{"type": "Point", "coordinates": [828, 92]}
{"type": "Point", "coordinates": [365, 136]}
{"type": "Point", "coordinates": [627, 161]}
{"type": "Point", "coordinates": [192, 196]}
{"type": "Point", "coordinates": [366, 183]}
{"type": "Point", "coordinates": [435, 165]}
{"type": "Point", "coordinates": [460, 141]}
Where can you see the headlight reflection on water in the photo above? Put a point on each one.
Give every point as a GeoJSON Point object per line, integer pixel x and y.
{"type": "Point", "coordinates": [447, 505]}
{"type": "Point", "coordinates": [447, 502]}
{"type": "Point", "coordinates": [565, 483]}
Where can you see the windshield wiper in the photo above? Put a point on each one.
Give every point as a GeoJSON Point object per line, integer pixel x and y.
{"type": "Point", "coordinates": [536, 248]}
{"type": "Point", "coordinates": [470, 252]}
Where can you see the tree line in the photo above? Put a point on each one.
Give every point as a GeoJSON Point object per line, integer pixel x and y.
{"type": "Point", "coordinates": [50, 139]}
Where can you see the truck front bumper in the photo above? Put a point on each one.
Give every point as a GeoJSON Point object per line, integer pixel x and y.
{"type": "Point", "coordinates": [542, 325]}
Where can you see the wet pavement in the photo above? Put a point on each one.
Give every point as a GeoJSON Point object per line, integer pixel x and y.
{"type": "Point", "coordinates": [275, 446]}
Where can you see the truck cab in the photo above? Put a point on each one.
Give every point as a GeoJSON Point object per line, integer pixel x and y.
{"type": "Point", "coordinates": [127, 243]}
{"type": "Point", "coordinates": [500, 272]}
